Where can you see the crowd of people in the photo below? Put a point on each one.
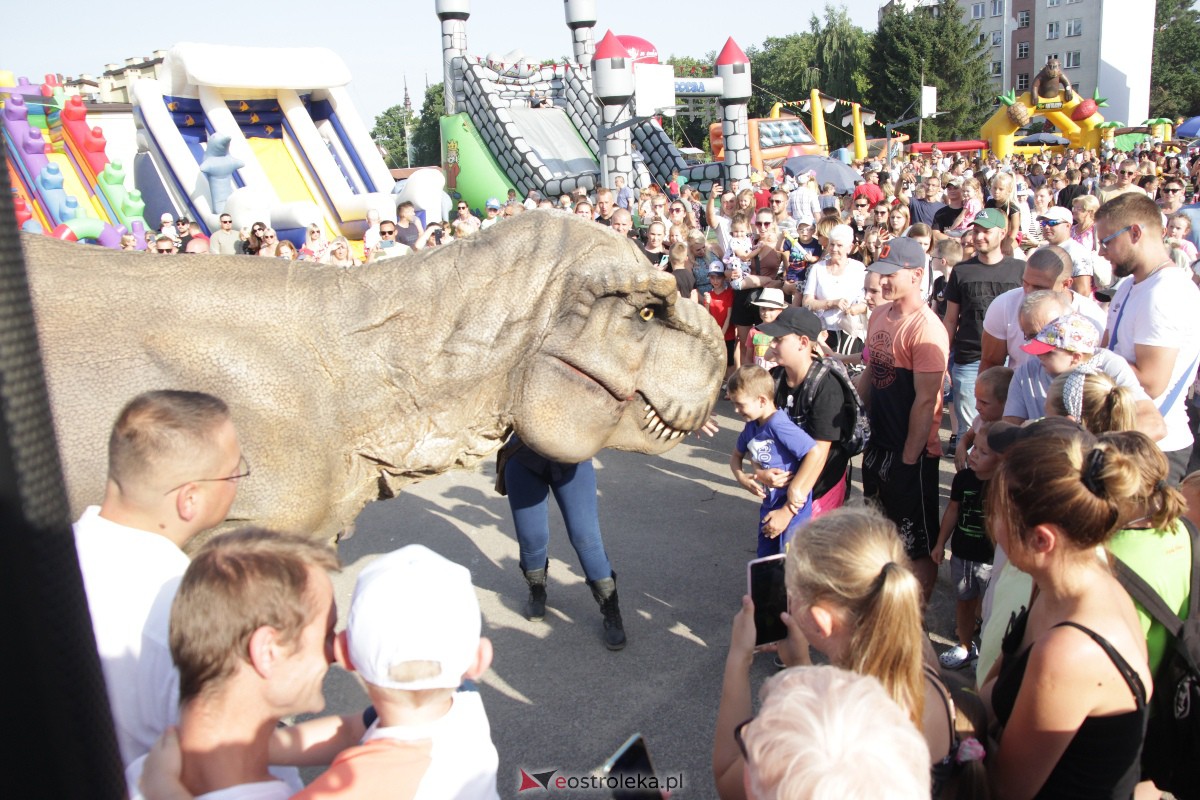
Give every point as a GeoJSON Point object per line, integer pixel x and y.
{"type": "Point", "coordinates": [1043, 312]}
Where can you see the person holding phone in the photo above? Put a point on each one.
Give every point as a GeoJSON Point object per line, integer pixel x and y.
{"type": "Point", "coordinates": [853, 597]}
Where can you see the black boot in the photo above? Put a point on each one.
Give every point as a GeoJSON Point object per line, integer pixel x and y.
{"type": "Point", "coordinates": [605, 592]}
{"type": "Point", "coordinates": [536, 579]}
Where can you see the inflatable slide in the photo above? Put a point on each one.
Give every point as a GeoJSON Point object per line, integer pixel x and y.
{"type": "Point", "coordinates": [261, 134]}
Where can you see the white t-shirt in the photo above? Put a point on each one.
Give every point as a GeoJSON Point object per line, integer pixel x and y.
{"type": "Point", "coordinates": [823, 285]}
{"type": "Point", "coordinates": [262, 790]}
{"type": "Point", "coordinates": [1002, 321]}
{"type": "Point", "coordinates": [130, 577]}
{"type": "Point", "coordinates": [1161, 311]}
{"type": "Point", "coordinates": [464, 761]}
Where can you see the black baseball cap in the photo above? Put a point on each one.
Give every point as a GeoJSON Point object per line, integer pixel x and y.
{"type": "Point", "coordinates": [793, 319]}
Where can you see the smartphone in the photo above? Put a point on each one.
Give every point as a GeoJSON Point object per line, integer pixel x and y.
{"type": "Point", "coordinates": [631, 760]}
{"type": "Point", "coordinates": [384, 244]}
{"type": "Point", "coordinates": [769, 593]}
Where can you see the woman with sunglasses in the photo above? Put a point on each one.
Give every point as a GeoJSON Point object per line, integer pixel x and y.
{"type": "Point", "coordinates": [315, 246]}
{"type": "Point", "coordinates": [252, 240]}
{"type": "Point", "coordinates": [268, 241]}
{"type": "Point", "coordinates": [852, 597]}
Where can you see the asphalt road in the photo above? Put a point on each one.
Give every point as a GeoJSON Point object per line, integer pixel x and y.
{"type": "Point", "coordinates": [678, 531]}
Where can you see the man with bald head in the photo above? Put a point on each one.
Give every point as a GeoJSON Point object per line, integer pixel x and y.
{"type": "Point", "coordinates": [621, 221]}
{"type": "Point", "coordinates": [1048, 268]}
{"type": "Point", "coordinates": [1031, 381]}
{"type": "Point", "coordinates": [174, 463]}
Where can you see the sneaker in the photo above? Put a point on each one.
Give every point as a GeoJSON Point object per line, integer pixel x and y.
{"type": "Point", "coordinates": [951, 446]}
{"type": "Point", "coordinates": [958, 656]}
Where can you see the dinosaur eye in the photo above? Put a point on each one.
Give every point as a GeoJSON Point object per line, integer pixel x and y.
{"type": "Point", "coordinates": [647, 313]}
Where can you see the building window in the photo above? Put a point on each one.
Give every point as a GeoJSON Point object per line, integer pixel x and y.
{"type": "Point", "coordinates": [1053, 29]}
{"type": "Point", "coordinates": [977, 11]}
{"type": "Point", "coordinates": [1053, 3]}
{"type": "Point", "coordinates": [1069, 2]}
{"type": "Point", "coordinates": [997, 8]}
{"type": "Point", "coordinates": [1075, 27]}
{"type": "Point", "coordinates": [1022, 49]}
{"type": "Point", "coordinates": [997, 38]}
{"type": "Point", "coordinates": [1051, 57]}
{"type": "Point", "coordinates": [1023, 82]}
{"type": "Point", "coordinates": [997, 68]}
{"type": "Point", "coordinates": [1022, 19]}
{"type": "Point", "coordinates": [1072, 61]}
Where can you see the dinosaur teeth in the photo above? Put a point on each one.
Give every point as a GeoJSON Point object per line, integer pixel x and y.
{"type": "Point", "coordinates": [648, 408]}
{"type": "Point", "coordinates": [655, 427]}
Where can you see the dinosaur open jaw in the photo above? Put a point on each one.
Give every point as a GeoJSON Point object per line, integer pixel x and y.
{"type": "Point", "coordinates": [655, 428]}
{"type": "Point", "coordinates": [651, 424]}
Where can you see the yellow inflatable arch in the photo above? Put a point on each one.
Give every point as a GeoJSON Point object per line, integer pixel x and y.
{"type": "Point", "coordinates": [1083, 132]}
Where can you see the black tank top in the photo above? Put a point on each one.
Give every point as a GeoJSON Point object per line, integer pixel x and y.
{"type": "Point", "coordinates": [1103, 759]}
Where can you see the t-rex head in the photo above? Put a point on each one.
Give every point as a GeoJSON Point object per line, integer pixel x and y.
{"type": "Point", "coordinates": [624, 362]}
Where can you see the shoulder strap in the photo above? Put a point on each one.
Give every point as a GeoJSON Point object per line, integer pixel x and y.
{"type": "Point", "coordinates": [812, 381]}
{"type": "Point", "coordinates": [1132, 679]}
{"type": "Point", "coordinates": [947, 701]}
{"type": "Point", "coordinates": [1140, 591]}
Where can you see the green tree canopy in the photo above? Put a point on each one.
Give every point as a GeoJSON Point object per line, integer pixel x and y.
{"type": "Point", "coordinates": [842, 52]}
{"type": "Point", "coordinates": [783, 69]}
{"type": "Point", "coordinates": [427, 134]}
{"type": "Point", "coordinates": [951, 57]}
{"type": "Point", "coordinates": [388, 133]}
{"type": "Point", "coordinates": [1174, 79]}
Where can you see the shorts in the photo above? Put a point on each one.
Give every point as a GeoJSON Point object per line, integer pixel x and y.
{"type": "Point", "coordinates": [970, 578]}
{"type": "Point", "coordinates": [745, 313]}
{"type": "Point", "coordinates": [907, 494]}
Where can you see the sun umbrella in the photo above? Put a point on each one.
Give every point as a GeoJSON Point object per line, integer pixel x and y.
{"type": "Point", "coordinates": [1043, 139]}
{"type": "Point", "coordinates": [828, 170]}
{"type": "Point", "coordinates": [1190, 129]}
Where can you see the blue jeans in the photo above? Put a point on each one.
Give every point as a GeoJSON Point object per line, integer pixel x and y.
{"type": "Point", "coordinates": [963, 376]}
{"type": "Point", "coordinates": [575, 493]}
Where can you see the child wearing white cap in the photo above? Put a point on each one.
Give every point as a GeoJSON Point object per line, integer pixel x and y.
{"type": "Point", "coordinates": [413, 636]}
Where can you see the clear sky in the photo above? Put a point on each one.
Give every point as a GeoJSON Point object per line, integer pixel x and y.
{"type": "Point", "coordinates": [382, 43]}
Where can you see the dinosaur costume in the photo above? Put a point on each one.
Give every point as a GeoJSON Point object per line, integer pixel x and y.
{"type": "Point", "coordinates": [348, 384]}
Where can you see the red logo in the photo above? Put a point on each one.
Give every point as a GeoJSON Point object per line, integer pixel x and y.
{"type": "Point", "coordinates": [538, 780]}
{"type": "Point", "coordinates": [885, 251]}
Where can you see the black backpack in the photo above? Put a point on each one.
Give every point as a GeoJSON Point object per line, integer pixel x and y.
{"type": "Point", "coordinates": [1171, 751]}
{"type": "Point", "coordinates": [851, 443]}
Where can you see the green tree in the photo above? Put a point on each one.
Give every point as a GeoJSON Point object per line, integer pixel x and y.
{"type": "Point", "coordinates": [943, 51]}
{"type": "Point", "coordinates": [1174, 80]}
{"type": "Point", "coordinates": [842, 50]}
{"type": "Point", "coordinates": [783, 70]}
{"type": "Point", "coordinates": [388, 134]}
{"type": "Point", "coordinates": [427, 134]}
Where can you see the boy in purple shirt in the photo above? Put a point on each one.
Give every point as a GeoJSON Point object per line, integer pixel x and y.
{"type": "Point", "coordinates": [773, 441]}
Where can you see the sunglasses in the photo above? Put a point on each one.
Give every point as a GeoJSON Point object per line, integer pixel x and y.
{"type": "Point", "coordinates": [268, 236]}
{"type": "Point", "coordinates": [167, 250]}
{"type": "Point", "coordinates": [1104, 242]}
{"type": "Point", "coordinates": [390, 232]}
{"type": "Point", "coordinates": [226, 222]}
{"type": "Point", "coordinates": [762, 224]}
{"type": "Point", "coordinates": [1172, 189]}
{"type": "Point", "coordinates": [1128, 172]}
{"type": "Point", "coordinates": [1050, 223]}
{"type": "Point", "coordinates": [462, 208]}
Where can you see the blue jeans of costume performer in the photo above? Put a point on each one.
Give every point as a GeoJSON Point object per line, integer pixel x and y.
{"type": "Point", "coordinates": [962, 377]}
{"type": "Point", "coordinates": [575, 492]}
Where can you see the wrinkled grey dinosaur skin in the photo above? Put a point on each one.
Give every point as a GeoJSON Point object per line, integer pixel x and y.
{"type": "Point", "coordinates": [345, 385]}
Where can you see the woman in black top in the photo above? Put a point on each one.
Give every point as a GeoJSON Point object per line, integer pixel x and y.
{"type": "Point", "coordinates": [1072, 683]}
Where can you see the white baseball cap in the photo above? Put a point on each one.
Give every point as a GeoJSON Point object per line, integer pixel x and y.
{"type": "Point", "coordinates": [413, 605]}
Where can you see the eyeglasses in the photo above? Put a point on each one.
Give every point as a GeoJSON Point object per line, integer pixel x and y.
{"type": "Point", "coordinates": [1128, 172]}
{"type": "Point", "coordinates": [257, 230]}
{"type": "Point", "coordinates": [763, 223]}
{"type": "Point", "coordinates": [243, 468]}
{"type": "Point", "coordinates": [777, 201]}
{"type": "Point", "coordinates": [389, 232]}
{"type": "Point", "coordinates": [1104, 242]}
{"type": "Point", "coordinates": [676, 210]}
{"type": "Point", "coordinates": [268, 236]}
{"type": "Point", "coordinates": [168, 250]}
{"type": "Point", "coordinates": [226, 222]}
{"type": "Point", "coordinates": [881, 211]}
{"type": "Point", "coordinates": [315, 231]}
{"type": "Point", "coordinates": [1050, 223]}
{"type": "Point", "coordinates": [181, 224]}
{"type": "Point", "coordinates": [462, 208]}
{"type": "Point", "coordinates": [1172, 189]}
{"type": "Point", "coordinates": [741, 743]}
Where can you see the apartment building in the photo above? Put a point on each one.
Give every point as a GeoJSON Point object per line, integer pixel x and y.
{"type": "Point", "coordinates": [1100, 44]}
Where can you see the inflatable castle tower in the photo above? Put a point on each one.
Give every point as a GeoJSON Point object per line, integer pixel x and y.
{"type": "Point", "coordinates": [489, 96]}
